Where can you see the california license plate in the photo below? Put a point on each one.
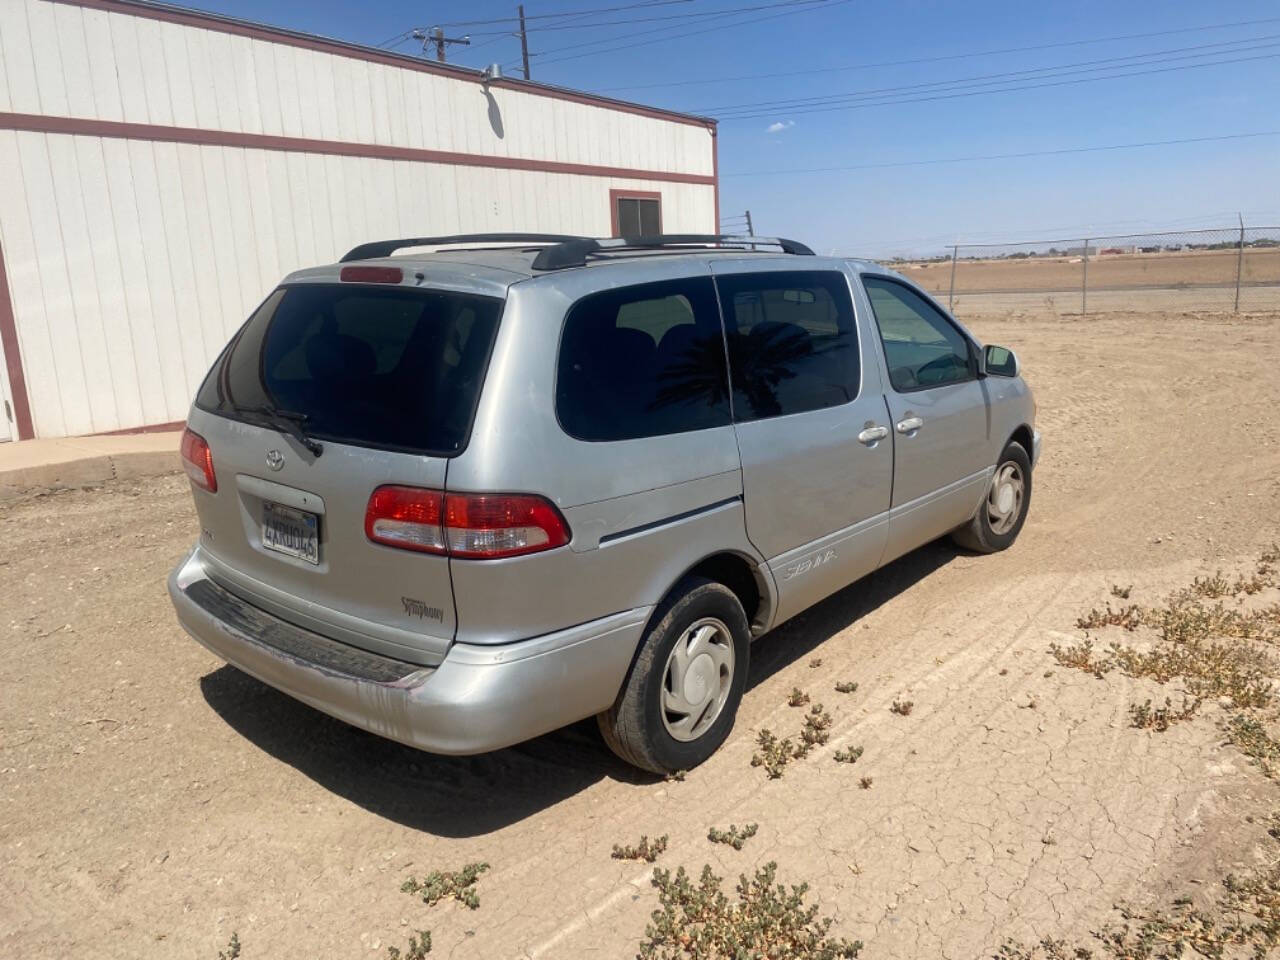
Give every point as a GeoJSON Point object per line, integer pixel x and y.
{"type": "Point", "coordinates": [295, 533]}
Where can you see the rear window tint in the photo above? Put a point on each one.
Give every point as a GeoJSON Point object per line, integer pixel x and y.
{"type": "Point", "coordinates": [392, 368]}
{"type": "Point", "coordinates": [792, 342]}
{"type": "Point", "coordinates": [643, 361]}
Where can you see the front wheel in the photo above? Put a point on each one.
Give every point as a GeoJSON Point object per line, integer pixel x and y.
{"type": "Point", "coordinates": [682, 694]}
{"type": "Point", "coordinates": [1004, 509]}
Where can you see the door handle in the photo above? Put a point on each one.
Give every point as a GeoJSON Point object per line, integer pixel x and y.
{"type": "Point", "coordinates": [909, 425]}
{"type": "Point", "coordinates": [872, 434]}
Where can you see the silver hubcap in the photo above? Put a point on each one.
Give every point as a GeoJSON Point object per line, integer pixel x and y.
{"type": "Point", "coordinates": [1004, 499]}
{"type": "Point", "coordinates": [696, 682]}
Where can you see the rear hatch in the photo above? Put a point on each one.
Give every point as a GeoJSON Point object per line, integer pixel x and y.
{"type": "Point", "coordinates": [382, 380]}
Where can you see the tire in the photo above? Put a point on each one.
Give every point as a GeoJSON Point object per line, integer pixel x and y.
{"type": "Point", "coordinates": [992, 529]}
{"type": "Point", "coordinates": [639, 727]}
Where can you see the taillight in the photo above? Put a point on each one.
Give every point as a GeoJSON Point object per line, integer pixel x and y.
{"type": "Point", "coordinates": [468, 526]}
{"type": "Point", "coordinates": [197, 460]}
{"type": "Point", "coordinates": [501, 525]}
{"type": "Point", "coordinates": [406, 517]}
{"type": "Point", "coordinates": [371, 275]}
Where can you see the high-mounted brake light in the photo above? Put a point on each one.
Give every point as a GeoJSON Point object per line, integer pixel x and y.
{"type": "Point", "coordinates": [371, 275]}
{"type": "Point", "coordinates": [197, 461]}
{"type": "Point", "coordinates": [468, 526]}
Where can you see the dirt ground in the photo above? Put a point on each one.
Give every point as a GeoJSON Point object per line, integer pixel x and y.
{"type": "Point", "coordinates": [153, 800]}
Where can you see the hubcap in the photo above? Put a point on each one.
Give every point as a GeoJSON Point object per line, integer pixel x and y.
{"type": "Point", "coordinates": [697, 679]}
{"type": "Point", "coordinates": [1004, 499]}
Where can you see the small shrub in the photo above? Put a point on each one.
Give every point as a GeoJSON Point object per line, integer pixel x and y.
{"type": "Point", "coordinates": [442, 884]}
{"type": "Point", "coordinates": [797, 698]}
{"type": "Point", "coordinates": [902, 707]}
{"type": "Point", "coordinates": [815, 663]}
{"type": "Point", "coordinates": [1129, 617]}
{"type": "Point", "coordinates": [1120, 592]}
{"type": "Point", "coordinates": [852, 755]}
{"type": "Point", "coordinates": [774, 754]}
{"type": "Point", "coordinates": [733, 836]}
{"type": "Point", "coordinates": [233, 948]}
{"type": "Point", "coordinates": [1212, 587]}
{"type": "Point", "coordinates": [1251, 738]}
{"type": "Point", "coordinates": [419, 947]}
{"type": "Point", "coordinates": [816, 730]}
{"type": "Point", "coordinates": [865, 783]}
{"type": "Point", "coordinates": [646, 850]}
{"type": "Point", "coordinates": [849, 687]}
{"type": "Point", "coordinates": [697, 920]}
{"type": "Point", "coordinates": [1160, 719]}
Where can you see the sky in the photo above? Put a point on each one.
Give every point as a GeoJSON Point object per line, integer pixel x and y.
{"type": "Point", "coordinates": [880, 174]}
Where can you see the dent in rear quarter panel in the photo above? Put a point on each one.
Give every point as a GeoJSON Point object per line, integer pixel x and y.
{"type": "Point", "coordinates": [603, 489]}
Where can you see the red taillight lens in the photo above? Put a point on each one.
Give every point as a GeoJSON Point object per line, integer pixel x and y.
{"type": "Point", "coordinates": [197, 460]}
{"type": "Point", "coordinates": [467, 526]}
{"type": "Point", "coordinates": [406, 517]}
{"type": "Point", "coordinates": [371, 274]}
{"type": "Point", "coordinates": [501, 525]}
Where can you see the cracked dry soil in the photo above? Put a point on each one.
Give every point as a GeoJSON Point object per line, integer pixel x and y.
{"type": "Point", "coordinates": [152, 800]}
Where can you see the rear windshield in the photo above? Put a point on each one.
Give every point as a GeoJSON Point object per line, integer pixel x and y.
{"type": "Point", "coordinates": [384, 367]}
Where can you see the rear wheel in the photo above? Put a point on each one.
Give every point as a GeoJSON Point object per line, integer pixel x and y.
{"type": "Point", "coordinates": [1004, 509]}
{"type": "Point", "coordinates": [682, 694]}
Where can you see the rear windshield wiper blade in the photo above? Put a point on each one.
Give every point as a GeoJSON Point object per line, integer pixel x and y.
{"type": "Point", "coordinates": [287, 422]}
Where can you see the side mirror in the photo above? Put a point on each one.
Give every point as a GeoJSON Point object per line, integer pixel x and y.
{"type": "Point", "coordinates": [1000, 361]}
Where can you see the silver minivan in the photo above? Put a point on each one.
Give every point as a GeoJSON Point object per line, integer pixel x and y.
{"type": "Point", "coordinates": [467, 496]}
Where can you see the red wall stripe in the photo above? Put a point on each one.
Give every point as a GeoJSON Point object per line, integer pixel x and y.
{"type": "Point", "coordinates": [80, 126]}
{"type": "Point", "coordinates": [13, 358]}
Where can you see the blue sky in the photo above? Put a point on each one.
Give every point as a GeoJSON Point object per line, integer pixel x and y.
{"type": "Point", "coordinates": [840, 47]}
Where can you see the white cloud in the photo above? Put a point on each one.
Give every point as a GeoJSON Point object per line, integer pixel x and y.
{"type": "Point", "coordinates": [779, 125]}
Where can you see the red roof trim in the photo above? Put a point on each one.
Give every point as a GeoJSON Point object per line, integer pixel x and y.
{"type": "Point", "coordinates": [243, 28]}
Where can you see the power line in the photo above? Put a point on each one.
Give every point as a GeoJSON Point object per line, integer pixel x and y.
{"type": "Point", "coordinates": [940, 59]}
{"type": "Point", "coordinates": [748, 115]}
{"type": "Point", "coordinates": [1007, 156]}
{"type": "Point", "coordinates": [699, 15]}
{"type": "Point", "coordinates": [566, 13]}
{"type": "Point", "coordinates": [803, 6]}
{"type": "Point", "coordinates": [1087, 66]}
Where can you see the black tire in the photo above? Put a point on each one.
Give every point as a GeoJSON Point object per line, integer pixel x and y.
{"type": "Point", "coordinates": [977, 534]}
{"type": "Point", "coordinates": [633, 727]}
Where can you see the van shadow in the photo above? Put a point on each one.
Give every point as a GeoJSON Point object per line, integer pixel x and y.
{"type": "Point", "coordinates": [472, 796]}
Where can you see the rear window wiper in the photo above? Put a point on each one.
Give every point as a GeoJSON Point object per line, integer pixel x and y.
{"type": "Point", "coordinates": [287, 422]}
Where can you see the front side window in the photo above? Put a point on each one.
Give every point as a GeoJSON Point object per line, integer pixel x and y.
{"type": "Point", "coordinates": [921, 346]}
{"type": "Point", "coordinates": [792, 342]}
{"type": "Point", "coordinates": [386, 367]}
{"type": "Point", "coordinates": [643, 361]}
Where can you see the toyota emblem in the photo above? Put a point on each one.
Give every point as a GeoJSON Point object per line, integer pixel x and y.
{"type": "Point", "coordinates": [275, 459]}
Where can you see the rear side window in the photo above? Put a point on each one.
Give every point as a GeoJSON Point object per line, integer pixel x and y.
{"type": "Point", "coordinates": [643, 361]}
{"type": "Point", "coordinates": [792, 342]}
{"type": "Point", "coordinates": [384, 367]}
{"type": "Point", "coordinates": [921, 346]}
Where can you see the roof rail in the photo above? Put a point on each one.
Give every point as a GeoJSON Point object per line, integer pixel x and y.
{"type": "Point", "coordinates": [574, 252]}
{"type": "Point", "coordinates": [384, 248]}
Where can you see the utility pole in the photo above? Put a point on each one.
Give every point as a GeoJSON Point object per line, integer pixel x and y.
{"type": "Point", "coordinates": [436, 36]}
{"type": "Point", "coordinates": [1084, 280]}
{"type": "Point", "coordinates": [524, 42]}
{"type": "Point", "coordinates": [750, 232]}
{"type": "Point", "coordinates": [951, 295]}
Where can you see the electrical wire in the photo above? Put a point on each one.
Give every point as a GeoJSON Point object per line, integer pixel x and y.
{"type": "Point", "coordinates": [1064, 151]}
{"type": "Point", "coordinates": [699, 15]}
{"type": "Point", "coordinates": [749, 115]}
{"type": "Point", "coordinates": [940, 59]}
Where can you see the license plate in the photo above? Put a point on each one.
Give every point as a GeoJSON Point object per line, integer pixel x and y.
{"type": "Point", "coordinates": [295, 533]}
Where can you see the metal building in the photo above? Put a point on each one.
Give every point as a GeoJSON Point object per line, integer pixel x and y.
{"type": "Point", "coordinates": [161, 169]}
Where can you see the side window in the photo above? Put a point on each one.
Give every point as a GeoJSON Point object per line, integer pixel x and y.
{"type": "Point", "coordinates": [792, 341]}
{"type": "Point", "coordinates": [643, 361]}
{"type": "Point", "coordinates": [921, 346]}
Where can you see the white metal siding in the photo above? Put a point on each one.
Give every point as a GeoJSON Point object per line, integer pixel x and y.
{"type": "Point", "coordinates": [131, 261]}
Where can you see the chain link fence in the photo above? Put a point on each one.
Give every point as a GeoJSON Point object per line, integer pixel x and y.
{"type": "Point", "coordinates": [1233, 269]}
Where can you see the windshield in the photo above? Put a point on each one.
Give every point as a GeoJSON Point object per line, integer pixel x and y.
{"type": "Point", "coordinates": [392, 368]}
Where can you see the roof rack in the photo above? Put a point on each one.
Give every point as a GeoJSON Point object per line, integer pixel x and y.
{"type": "Point", "coordinates": [573, 252]}
{"type": "Point", "coordinates": [384, 248]}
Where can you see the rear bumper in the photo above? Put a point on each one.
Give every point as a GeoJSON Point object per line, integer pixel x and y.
{"type": "Point", "coordinates": [479, 698]}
